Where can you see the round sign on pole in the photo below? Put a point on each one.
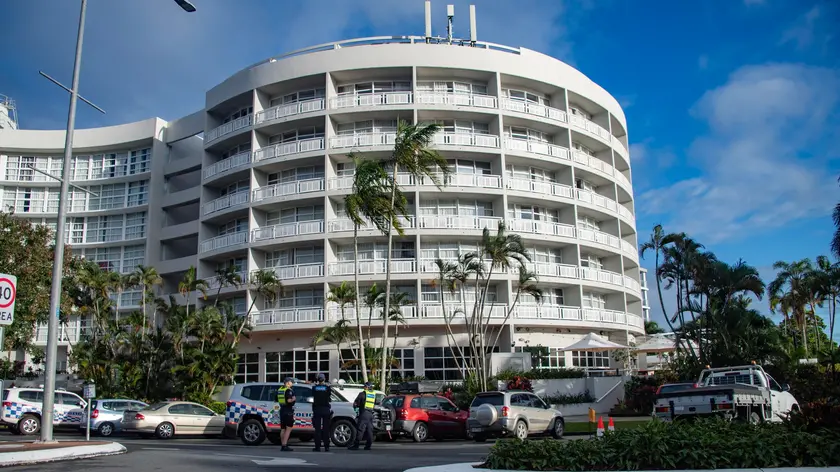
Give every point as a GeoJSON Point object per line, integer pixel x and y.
{"type": "Point", "coordinates": [8, 294]}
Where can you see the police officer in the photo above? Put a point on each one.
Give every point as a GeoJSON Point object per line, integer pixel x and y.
{"type": "Point", "coordinates": [286, 399]}
{"type": "Point", "coordinates": [365, 402]}
{"type": "Point", "coordinates": [321, 413]}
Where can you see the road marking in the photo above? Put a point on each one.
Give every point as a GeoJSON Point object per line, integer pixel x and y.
{"type": "Point", "coordinates": [282, 461]}
{"type": "Point", "coordinates": [161, 449]}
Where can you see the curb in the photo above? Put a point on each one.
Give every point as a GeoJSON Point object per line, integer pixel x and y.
{"type": "Point", "coordinates": [9, 459]}
{"type": "Point", "coordinates": [470, 467]}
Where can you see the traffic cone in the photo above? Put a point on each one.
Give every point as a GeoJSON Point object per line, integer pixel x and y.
{"type": "Point", "coordinates": [600, 430]}
{"type": "Point", "coordinates": [611, 426]}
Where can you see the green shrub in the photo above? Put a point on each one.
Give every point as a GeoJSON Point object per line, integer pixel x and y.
{"type": "Point", "coordinates": [815, 416]}
{"type": "Point", "coordinates": [218, 407]}
{"type": "Point", "coordinates": [541, 374]}
{"type": "Point", "coordinates": [569, 398]}
{"type": "Point", "coordinates": [704, 444]}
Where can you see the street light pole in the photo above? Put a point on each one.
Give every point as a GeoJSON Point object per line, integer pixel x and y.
{"type": "Point", "coordinates": [58, 261]}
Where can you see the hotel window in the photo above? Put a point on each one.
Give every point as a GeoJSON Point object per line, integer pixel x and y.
{"type": "Point", "coordinates": [549, 358]}
{"type": "Point", "coordinates": [446, 207]}
{"type": "Point", "coordinates": [431, 293]}
{"type": "Point", "coordinates": [247, 368]}
{"type": "Point", "coordinates": [351, 370]}
{"type": "Point", "coordinates": [239, 264]}
{"type": "Point", "coordinates": [525, 96]}
{"type": "Point", "coordinates": [239, 225]}
{"type": "Point", "coordinates": [234, 188]}
{"type": "Point", "coordinates": [441, 86]}
{"type": "Point", "coordinates": [300, 134]}
{"type": "Point", "coordinates": [526, 134]}
{"type": "Point", "coordinates": [131, 298]}
{"type": "Point", "coordinates": [78, 200]}
{"type": "Point", "coordinates": [366, 127]}
{"type": "Point", "coordinates": [594, 300]}
{"type": "Point", "coordinates": [463, 126]}
{"type": "Point", "coordinates": [133, 256]}
{"type": "Point", "coordinates": [299, 298]}
{"type": "Point", "coordinates": [52, 200]}
{"type": "Point", "coordinates": [138, 161]}
{"type": "Point", "coordinates": [303, 365]}
{"type": "Point", "coordinates": [102, 229]}
{"type": "Point", "coordinates": [295, 256]}
{"type": "Point", "coordinates": [578, 111]}
{"type": "Point", "coordinates": [364, 88]}
{"type": "Point", "coordinates": [580, 147]}
{"type": "Point", "coordinates": [587, 222]}
{"type": "Point", "coordinates": [108, 258]}
{"type": "Point", "coordinates": [377, 251]}
{"type": "Point", "coordinates": [545, 255]}
{"type": "Point", "coordinates": [135, 225]}
{"type": "Point", "coordinates": [530, 173]}
{"type": "Point", "coordinates": [107, 197]}
{"type": "Point", "coordinates": [300, 96]}
{"type": "Point", "coordinates": [445, 251]}
{"type": "Point", "coordinates": [80, 168]}
{"type": "Point", "coordinates": [75, 231]}
{"type": "Point", "coordinates": [593, 360]}
{"type": "Point", "coordinates": [345, 169]}
{"type": "Point", "coordinates": [469, 167]}
{"type": "Point", "coordinates": [244, 111]}
{"type": "Point", "coordinates": [584, 185]}
{"type": "Point", "coordinates": [138, 193]}
{"type": "Point", "coordinates": [591, 261]}
{"type": "Point", "coordinates": [295, 215]}
{"type": "Point", "coordinates": [296, 174]}
{"type": "Point", "coordinates": [239, 149]}
{"type": "Point", "coordinates": [533, 212]}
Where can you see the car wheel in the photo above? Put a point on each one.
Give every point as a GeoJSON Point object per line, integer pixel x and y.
{"type": "Point", "coordinates": [420, 433]}
{"type": "Point", "coordinates": [480, 438]}
{"type": "Point", "coordinates": [343, 433]}
{"type": "Point", "coordinates": [252, 433]}
{"type": "Point", "coordinates": [165, 431]}
{"type": "Point", "coordinates": [520, 431]}
{"type": "Point", "coordinates": [558, 429]}
{"type": "Point", "coordinates": [13, 429]}
{"type": "Point", "coordinates": [106, 429]}
{"type": "Point", "coordinates": [29, 425]}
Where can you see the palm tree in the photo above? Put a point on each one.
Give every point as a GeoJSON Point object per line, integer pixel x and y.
{"type": "Point", "coordinates": [147, 278]}
{"type": "Point", "coordinates": [337, 334]}
{"type": "Point", "coordinates": [526, 284]}
{"type": "Point", "coordinates": [835, 240]}
{"type": "Point", "coordinates": [266, 284]}
{"type": "Point", "coordinates": [342, 296]}
{"type": "Point", "coordinates": [792, 281]}
{"type": "Point", "coordinates": [412, 153]}
{"type": "Point", "coordinates": [191, 283]}
{"type": "Point", "coordinates": [227, 276]}
{"type": "Point", "coordinates": [828, 289]}
{"type": "Point", "coordinates": [658, 240]}
{"type": "Point", "coordinates": [370, 201]}
{"type": "Point", "coordinates": [398, 300]}
{"type": "Point", "coordinates": [373, 298]}
{"type": "Point", "coordinates": [446, 284]}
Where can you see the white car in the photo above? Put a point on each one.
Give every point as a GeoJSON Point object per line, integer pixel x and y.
{"type": "Point", "coordinates": [21, 410]}
{"type": "Point", "coordinates": [351, 391]}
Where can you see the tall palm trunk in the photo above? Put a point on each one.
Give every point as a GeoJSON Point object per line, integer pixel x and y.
{"type": "Point", "coordinates": [383, 373]}
{"type": "Point", "coordinates": [356, 302]}
{"type": "Point", "coordinates": [832, 313]}
{"type": "Point", "coordinates": [143, 302]}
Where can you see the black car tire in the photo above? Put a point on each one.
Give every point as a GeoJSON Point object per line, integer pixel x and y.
{"type": "Point", "coordinates": [420, 433]}
{"type": "Point", "coordinates": [30, 422]}
{"type": "Point", "coordinates": [558, 428]}
{"type": "Point", "coordinates": [345, 426]}
{"type": "Point", "coordinates": [480, 438]}
{"type": "Point", "coordinates": [106, 429]}
{"type": "Point", "coordinates": [165, 430]}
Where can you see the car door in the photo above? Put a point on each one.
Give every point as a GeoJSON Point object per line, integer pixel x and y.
{"type": "Point", "coordinates": [180, 414]}
{"type": "Point", "coordinates": [204, 421]}
{"type": "Point", "coordinates": [303, 407]}
{"type": "Point", "coordinates": [519, 406]}
{"type": "Point", "coordinates": [72, 408]}
{"type": "Point", "coordinates": [454, 427]}
{"type": "Point", "coordinates": [541, 414]}
{"type": "Point", "coordinates": [436, 420]}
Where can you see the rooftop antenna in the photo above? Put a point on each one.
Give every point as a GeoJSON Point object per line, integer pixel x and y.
{"type": "Point", "coordinates": [450, 15]}
{"type": "Point", "coordinates": [428, 21]}
{"type": "Point", "coordinates": [473, 33]}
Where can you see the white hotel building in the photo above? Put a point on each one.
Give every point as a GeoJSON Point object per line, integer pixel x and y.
{"type": "Point", "coordinates": [257, 179]}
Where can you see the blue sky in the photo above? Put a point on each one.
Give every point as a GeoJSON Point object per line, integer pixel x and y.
{"type": "Point", "coordinates": [733, 106]}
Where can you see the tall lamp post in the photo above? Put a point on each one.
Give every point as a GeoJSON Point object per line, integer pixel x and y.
{"type": "Point", "coordinates": [47, 412]}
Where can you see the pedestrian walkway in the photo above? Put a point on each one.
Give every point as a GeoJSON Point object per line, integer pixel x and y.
{"type": "Point", "coordinates": [29, 453]}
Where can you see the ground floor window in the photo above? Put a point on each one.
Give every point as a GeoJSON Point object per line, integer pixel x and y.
{"type": "Point", "coordinates": [402, 368]}
{"type": "Point", "coordinates": [597, 360]}
{"type": "Point", "coordinates": [248, 368]}
{"type": "Point", "coordinates": [440, 363]}
{"type": "Point", "coordinates": [545, 357]}
{"type": "Point", "coordinates": [303, 365]}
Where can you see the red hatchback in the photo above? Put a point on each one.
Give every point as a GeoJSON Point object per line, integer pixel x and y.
{"type": "Point", "coordinates": [424, 416]}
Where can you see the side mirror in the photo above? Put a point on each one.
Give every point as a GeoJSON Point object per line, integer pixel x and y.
{"type": "Point", "coordinates": [457, 410]}
{"type": "Point", "coordinates": [786, 387]}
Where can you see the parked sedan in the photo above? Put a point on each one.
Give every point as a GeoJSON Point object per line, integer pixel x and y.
{"type": "Point", "coordinates": [167, 419]}
{"type": "Point", "coordinates": [106, 416]}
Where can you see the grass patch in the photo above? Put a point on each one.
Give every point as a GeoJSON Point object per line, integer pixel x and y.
{"type": "Point", "coordinates": [585, 427]}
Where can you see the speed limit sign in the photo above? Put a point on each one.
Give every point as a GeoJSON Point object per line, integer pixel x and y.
{"type": "Point", "coordinates": [8, 294]}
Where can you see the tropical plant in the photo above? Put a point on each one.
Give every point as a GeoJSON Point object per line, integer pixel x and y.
{"type": "Point", "coordinates": [147, 278]}
{"type": "Point", "coordinates": [793, 280]}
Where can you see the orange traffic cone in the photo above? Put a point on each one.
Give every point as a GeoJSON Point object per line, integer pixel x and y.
{"type": "Point", "coordinates": [600, 430]}
{"type": "Point", "coordinates": [611, 426]}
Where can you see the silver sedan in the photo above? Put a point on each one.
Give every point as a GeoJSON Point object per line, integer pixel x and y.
{"type": "Point", "coordinates": [167, 419]}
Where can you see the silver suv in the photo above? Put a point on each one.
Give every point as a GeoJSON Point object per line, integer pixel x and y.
{"type": "Point", "coordinates": [513, 413]}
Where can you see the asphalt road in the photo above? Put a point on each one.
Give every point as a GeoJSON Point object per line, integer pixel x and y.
{"type": "Point", "coordinates": [211, 455]}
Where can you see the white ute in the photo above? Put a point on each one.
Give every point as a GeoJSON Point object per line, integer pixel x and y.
{"type": "Point", "coordinates": [745, 393]}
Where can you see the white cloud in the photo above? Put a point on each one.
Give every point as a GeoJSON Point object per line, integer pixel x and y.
{"type": "Point", "coordinates": [703, 62]}
{"type": "Point", "coordinates": [804, 31]}
{"type": "Point", "coordinates": [763, 163]}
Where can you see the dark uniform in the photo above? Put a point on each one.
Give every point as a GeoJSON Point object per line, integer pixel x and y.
{"type": "Point", "coordinates": [286, 399]}
{"type": "Point", "coordinates": [321, 414]}
{"type": "Point", "coordinates": [365, 402]}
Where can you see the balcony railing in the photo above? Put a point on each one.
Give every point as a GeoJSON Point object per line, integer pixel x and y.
{"type": "Point", "coordinates": [457, 99]}
{"type": "Point", "coordinates": [458, 222]}
{"type": "Point", "coordinates": [548, 269]}
{"type": "Point", "coordinates": [227, 128]}
{"type": "Point", "coordinates": [592, 162]}
{"type": "Point", "coordinates": [622, 180]}
{"type": "Point", "coordinates": [465, 180]}
{"type": "Point", "coordinates": [289, 109]}
{"type": "Point", "coordinates": [547, 312]}
{"type": "Point", "coordinates": [299, 271]}
{"type": "Point", "coordinates": [537, 147]}
{"type": "Point", "coordinates": [363, 140]}
{"type": "Point", "coordinates": [601, 275]}
{"type": "Point", "coordinates": [371, 99]}
{"type": "Point", "coordinates": [467, 139]}
{"type": "Point", "coordinates": [632, 284]}
{"type": "Point", "coordinates": [619, 146]}
{"type": "Point", "coordinates": [598, 237]}
{"type": "Point", "coordinates": [541, 187]}
{"type": "Point", "coordinates": [223, 241]}
{"type": "Point", "coordinates": [630, 249]}
{"type": "Point", "coordinates": [288, 316]}
{"type": "Point", "coordinates": [345, 224]}
{"type": "Point", "coordinates": [591, 128]}
{"type": "Point", "coordinates": [346, 182]}
{"type": "Point", "coordinates": [541, 227]}
{"type": "Point", "coordinates": [624, 212]}
{"type": "Point", "coordinates": [335, 313]}
{"type": "Point", "coordinates": [228, 201]}
{"type": "Point", "coordinates": [284, 230]}
{"type": "Point", "coordinates": [435, 311]}
{"type": "Point", "coordinates": [596, 199]}
{"type": "Point", "coordinates": [398, 266]}
{"type": "Point", "coordinates": [535, 109]}
{"type": "Point", "coordinates": [288, 149]}
{"type": "Point", "coordinates": [285, 189]}
{"type": "Point", "coordinates": [238, 160]}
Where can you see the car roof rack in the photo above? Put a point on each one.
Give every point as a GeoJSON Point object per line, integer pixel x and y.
{"type": "Point", "coordinates": [415, 388]}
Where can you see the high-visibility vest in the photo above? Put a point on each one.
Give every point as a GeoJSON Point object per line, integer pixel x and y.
{"type": "Point", "coordinates": [370, 400]}
{"type": "Point", "coordinates": [281, 395]}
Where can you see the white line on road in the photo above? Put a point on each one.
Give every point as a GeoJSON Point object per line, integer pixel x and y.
{"type": "Point", "coordinates": [161, 449]}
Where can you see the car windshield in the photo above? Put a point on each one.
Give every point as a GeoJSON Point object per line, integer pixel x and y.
{"type": "Point", "coordinates": [495, 399]}
{"type": "Point", "coordinates": [155, 406]}
{"type": "Point", "coordinates": [673, 388]}
{"type": "Point", "coordinates": [394, 402]}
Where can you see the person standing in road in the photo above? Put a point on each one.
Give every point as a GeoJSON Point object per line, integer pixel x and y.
{"type": "Point", "coordinates": [365, 402]}
{"type": "Point", "coordinates": [286, 399]}
{"type": "Point", "coordinates": [321, 413]}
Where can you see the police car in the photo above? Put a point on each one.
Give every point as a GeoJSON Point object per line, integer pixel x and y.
{"type": "Point", "coordinates": [21, 411]}
{"type": "Point", "coordinates": [253, 415]}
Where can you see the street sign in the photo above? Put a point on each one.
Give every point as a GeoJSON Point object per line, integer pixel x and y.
{"type": "Point", "coordinates": [89, 391]}
{"type": "Point", "coordinates": [8, 294]}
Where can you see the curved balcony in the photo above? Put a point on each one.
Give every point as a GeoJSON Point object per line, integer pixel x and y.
{"type": "Point", "coordinates": [223, 203]}
{"type": "Point", "coordinates": [226, 240]}
{"type": "Point", "coordinates": [456, 99]}
{"type": "Point", "coordinates": [287, 189]}
{"type": "Point", "coordinates": [569, 313]}
{"type": "Point", "coordinates": [465, 180]}
{"type": "Point", "coordinates": [458, 222]}
{"type": "Point", "coordinates": [537, 147]}
{"type": "Point", "coordinates": [535, 109]}
{"type": "Point", "coordinates": [277, 316]}
{"type": "Point", "coordinates": [466, 139]}
{"type": "Point", "coordinates": [398, 266]}
{"type": "Point", "coordinates": [630, 250]}
{"type": "Point", "coordinates": [543, 188]}
{"type": "Point", "coordinates": [370, 99]}
{"type": "Point", "coordinates": [289, 149]}
{"type": "Point", "coordinates": [341, 224]}
{"type": "Point", "coordinates": [228, 128]}
{"type": "Point", "coordinates": [541, 227]}
{"type": "Point", "coordinates": [285, 230]}
{"type": "Point", "coordinates": [590, 127]}
{"type": "Point", "coordinates": [233, 162]}
{"type": "Point", "coordinates": [298, 271]}
{"type": "Point", "coordinates": [599, 237]}
{"type": "Point", "coordinates": [619, 146]}
{"type": "Point", "coordinates": [363, 140]}
{"type": "Point", "coordinates": [289, 109]}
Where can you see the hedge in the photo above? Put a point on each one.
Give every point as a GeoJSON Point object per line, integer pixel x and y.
{"type": "Point", "coordinates": [704, 444]}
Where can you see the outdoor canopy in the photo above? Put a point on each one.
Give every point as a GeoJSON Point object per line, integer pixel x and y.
{"type": "Point", "coordinates": [594, 343]}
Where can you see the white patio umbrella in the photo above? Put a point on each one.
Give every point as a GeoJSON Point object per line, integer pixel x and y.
{"type": "Point", "coordinates": [657, 344]}
{"type": "Point", "coordinates": [594, 343]}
